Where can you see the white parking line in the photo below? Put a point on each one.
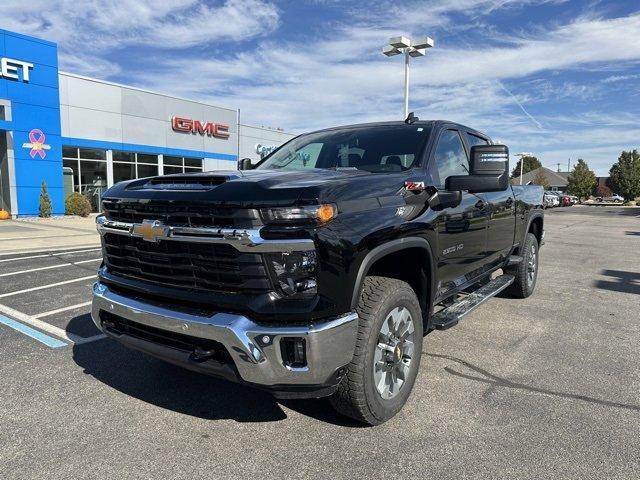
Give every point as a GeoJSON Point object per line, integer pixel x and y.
{"type": "Point", "coordinates": [59, 310]}
{"type": "Point", "coordinates": [50, 267]}
{"type": "Point", "coordinates": [46, 327]}
{"type": "Point", "coordinates": [64, 252]}
{"type": "Point", "coordinates": [42, 287]}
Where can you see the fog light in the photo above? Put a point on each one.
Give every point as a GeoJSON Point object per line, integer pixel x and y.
{"type": "Point", "coordinates": [293, 352]}
{"type": "Point", "coordinates": [294, 272]}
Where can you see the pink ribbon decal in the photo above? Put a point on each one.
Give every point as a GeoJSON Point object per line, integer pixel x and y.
{"type": "Point", "coordinates": [37, 138]}
{"type": "Point", "coordinates": [37, 145]}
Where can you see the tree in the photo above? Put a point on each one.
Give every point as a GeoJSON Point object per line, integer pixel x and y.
{"type": "Point", "coordinates": [581, 180]}
{"type": "Point", "coordinates": [530, 163]}
{"type": "Point", "coordinates": [541, 179]}
{"type": "Point", "coordinates": [625, 175]}
{"type": "Point", "coordinates": [602, 191]}
{"type": "Point", "coordinates": [45, 201]}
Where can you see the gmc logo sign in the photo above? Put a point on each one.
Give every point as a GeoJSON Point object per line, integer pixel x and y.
{"type": "Point", "coordinates": [187, 125]}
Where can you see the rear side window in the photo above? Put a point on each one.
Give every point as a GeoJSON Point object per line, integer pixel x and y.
{"type": "Point", "coordinates": [450, 157]}
{"type": "Point", "coordinates": [475, 140]}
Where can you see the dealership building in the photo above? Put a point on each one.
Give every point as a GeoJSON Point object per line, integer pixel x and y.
{"type": "Point", "coordinates": [81, 134]}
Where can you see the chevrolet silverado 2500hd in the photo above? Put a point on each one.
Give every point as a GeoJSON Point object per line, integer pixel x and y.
{"type": "Point", "coordinates": [317, 272]}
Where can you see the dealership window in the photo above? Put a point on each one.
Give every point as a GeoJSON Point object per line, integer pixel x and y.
{"type": "Point", "coordinates": [3, 115]}
{"type": "Point", "coordinates": [181, 164]}
{"type": "Point", "coordinates": [130, 165]}
{"type": "Point", "coordinates": [89, 167]}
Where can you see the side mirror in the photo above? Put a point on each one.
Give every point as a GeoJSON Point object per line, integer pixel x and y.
{"type": "Point", "coordinates": [245, 164]}
{"type": "Point", "coordinates": [489, 171]}
{"type": "Point", "coordinates": [489, 159]}
{"type": "Point", "coordinates": [445, 199]}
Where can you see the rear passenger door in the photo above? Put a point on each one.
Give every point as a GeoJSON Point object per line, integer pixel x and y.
{"type": "Point", "coordinates": [502, 221]}
{"type": "Point", "coordinates": [461, 231]}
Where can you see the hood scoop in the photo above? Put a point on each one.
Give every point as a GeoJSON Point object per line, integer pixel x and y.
{"type": "Point", "coordinates": [184, 182]}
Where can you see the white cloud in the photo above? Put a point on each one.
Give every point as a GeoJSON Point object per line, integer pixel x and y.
{"type": "Point", "coordinates": [101, 25]}
{"type": "Point", "coordinates": [620, 78]}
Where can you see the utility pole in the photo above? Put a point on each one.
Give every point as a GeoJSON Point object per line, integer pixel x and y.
{"type": "Point", "coordinates": [569, 165]}
{"type": "Point", "coordinates": [406, 83]}
{"type": "Point", "coordinates": [522, 155]}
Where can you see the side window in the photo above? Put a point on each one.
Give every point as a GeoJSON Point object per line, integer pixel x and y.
{"type": "Point", "coordinates": [450, 157]}
{"type": "Point", "coordinates": [475, 140]}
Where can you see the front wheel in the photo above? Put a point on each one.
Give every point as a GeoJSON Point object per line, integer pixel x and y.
{"type": "Point", "coordinates": [387, 354]}
{"type": "Point", "coordinates": [526, 272]}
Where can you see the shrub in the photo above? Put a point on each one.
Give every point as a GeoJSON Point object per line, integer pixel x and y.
{"type": "Point", "coordinates": [45, 201]}
{"type": "Point", "coordinates": [603, 191]}
{"type": "Point", "coordinates": [77, 204]}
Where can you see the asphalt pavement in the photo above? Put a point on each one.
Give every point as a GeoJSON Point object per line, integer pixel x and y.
{"type": "Point", "coordinates": [547, 387]}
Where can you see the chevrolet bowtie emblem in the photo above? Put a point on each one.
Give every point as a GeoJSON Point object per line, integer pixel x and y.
{"type": "Point", "coordinates": [150, 230]}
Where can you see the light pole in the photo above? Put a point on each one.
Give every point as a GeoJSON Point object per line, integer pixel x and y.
{"type": "Point", "coordinates": [522, 155]}
{"type": "Point", "coordinates": [398, 45]}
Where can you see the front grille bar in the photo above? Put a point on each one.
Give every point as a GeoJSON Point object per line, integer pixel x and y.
{"type": "Point", "coordinates": [243, 240]}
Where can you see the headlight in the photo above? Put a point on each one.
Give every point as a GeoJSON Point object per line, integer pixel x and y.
{"type": "Point", "coordinates": [299, 215]}
{"type": "Point", "coordinates": [294, 272]}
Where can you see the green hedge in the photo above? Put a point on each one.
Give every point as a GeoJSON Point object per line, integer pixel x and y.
{"type": "Point", "coordinates": [77, 204]}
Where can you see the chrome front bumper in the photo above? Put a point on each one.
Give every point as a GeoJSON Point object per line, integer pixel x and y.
{"type": "Point", "coordinates": [255, 349]}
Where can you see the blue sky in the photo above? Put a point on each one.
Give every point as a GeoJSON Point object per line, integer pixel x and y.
{"type": "Point", "coordinates": [558, 78]}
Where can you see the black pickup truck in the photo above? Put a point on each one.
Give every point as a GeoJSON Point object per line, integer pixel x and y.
{"type": "Point", "coordinates": [318, 272]}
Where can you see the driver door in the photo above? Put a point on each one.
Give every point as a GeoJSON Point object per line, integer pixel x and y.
{"type": "Point", "coordinates": [461, 230]}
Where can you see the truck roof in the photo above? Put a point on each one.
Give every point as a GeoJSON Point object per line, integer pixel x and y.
{"type": "Point", "coordinates": [430, 123]}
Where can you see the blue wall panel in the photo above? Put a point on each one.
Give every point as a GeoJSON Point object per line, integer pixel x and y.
{"type": "Point", "coordinates": [34, 105]}
{"type": "Point", "coordinates": [30, 49]}
{"type": "Point", "coordinates": [134, 147]}
{"type": "Point", "coordinates": [27, 117]}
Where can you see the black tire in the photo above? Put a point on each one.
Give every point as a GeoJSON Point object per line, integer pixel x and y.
{"type": "Point", "coordinates": [358, 396]}
{"type": "Point", "coordinates": [523, 285]}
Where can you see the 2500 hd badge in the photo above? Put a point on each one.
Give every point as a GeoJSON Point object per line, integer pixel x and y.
{"type": "Point", "coordinates": [452, 249]}
{"type": "Point", "coordinates": [319, 271]}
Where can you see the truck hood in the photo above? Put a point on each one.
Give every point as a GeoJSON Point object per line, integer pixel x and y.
{"type": "Point", "coordinates": [263, 187]}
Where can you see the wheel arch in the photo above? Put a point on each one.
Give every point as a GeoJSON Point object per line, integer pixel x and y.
{"type": "Point", "coordinates": [536, 226]}
{"type": "Point", "coordinates": [378, 260]}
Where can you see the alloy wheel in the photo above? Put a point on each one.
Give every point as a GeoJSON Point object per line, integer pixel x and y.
{"type": "Point", "coordinates": [394, 352]}
{"type": "Point", "coordinates": [531, 265]}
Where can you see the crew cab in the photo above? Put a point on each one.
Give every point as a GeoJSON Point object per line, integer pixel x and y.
{"type": "Point", "coordinates": [319, 271]}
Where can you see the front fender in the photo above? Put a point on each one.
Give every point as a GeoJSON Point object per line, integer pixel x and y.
{"type": "Point", "coordinates": [391, 247]}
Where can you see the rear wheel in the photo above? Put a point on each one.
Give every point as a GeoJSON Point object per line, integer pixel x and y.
{"type": "Point", "coordinates": [526, 272]}
{"type": "Point", "coordinates": [387, 355]}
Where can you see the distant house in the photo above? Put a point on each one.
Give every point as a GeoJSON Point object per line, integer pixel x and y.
{"type": "Point", "coordinates": [602, 181]}
{"type": "Point", "coordinates": [557, 180]}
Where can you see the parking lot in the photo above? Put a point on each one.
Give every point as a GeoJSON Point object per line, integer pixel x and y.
{"type": "Point", "coordinates": [547, 387]}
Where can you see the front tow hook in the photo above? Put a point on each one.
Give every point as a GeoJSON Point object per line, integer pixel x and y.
{"type": "Point", "coordinates": [200, 355]}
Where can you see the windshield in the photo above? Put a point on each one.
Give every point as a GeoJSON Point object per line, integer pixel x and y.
{"type": "Point", "coordinates": [390, 148]}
